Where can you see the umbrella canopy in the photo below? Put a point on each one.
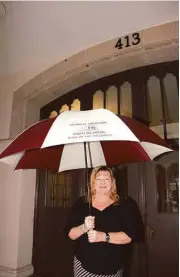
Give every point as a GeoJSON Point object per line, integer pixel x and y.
{"type": "Point", "coordinates": [80, 139]}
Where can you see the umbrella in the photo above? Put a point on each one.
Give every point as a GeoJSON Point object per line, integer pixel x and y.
{"type": "Point", "coordinates": [83, 139]}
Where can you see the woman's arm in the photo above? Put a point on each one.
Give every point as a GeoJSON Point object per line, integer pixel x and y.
{"type": "Point", "coordinates": [76, 232]}
{"type": "Point", "coordinates": [119, 238]}
{"type": "Point", "coordinates": [115, 237]}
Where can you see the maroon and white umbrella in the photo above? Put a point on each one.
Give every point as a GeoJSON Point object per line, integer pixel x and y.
{"type": "Point", "coordinates": [81, 139]}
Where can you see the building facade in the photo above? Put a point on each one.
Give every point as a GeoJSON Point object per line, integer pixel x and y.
{"type": "Point", "coordinates": [132, 71]}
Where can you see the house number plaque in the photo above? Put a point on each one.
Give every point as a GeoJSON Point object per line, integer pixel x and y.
{"type": "Point", "coordinates": [128, 41]}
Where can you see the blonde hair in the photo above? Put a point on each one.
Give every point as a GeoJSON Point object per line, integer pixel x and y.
{"type": "Point", "coordinates": [114, 195]}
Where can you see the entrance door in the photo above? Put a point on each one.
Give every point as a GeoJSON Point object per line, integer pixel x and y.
{"type": "Point", "coordinates": [162, 182]}
{"type": "Point", "coordinates": [52, 251]}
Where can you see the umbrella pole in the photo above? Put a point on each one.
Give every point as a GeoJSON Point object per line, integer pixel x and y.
{"type": "Point", "coordinates": [87, 183]}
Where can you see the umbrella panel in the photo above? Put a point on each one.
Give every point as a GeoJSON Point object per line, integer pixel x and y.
{"type": "Point", "coordinates": [47, 158]}
{"type": "Point", "coordinates": [115, 153]}
{"type": "Point", "coordinates": [31, 138]}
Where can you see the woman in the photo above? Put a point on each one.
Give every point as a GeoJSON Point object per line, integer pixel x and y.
{"type": "Point", "coordinates": [100, 237]}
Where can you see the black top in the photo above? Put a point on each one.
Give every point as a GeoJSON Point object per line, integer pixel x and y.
{"type": "Point", "coordinates": [103, 257]}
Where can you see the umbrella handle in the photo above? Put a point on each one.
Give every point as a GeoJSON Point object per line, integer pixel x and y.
{"type": "Point", "coordinates": [86, 164]}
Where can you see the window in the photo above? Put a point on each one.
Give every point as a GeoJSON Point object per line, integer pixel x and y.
{"type": "Point", "coordinates": [53, 114]}
{"type": "Point", "coordinates": [163, 102]}
{"type": "Point", "coordinates": [149, 94]}
{"type": "Point", "coordinates": [98, 100]}
{"type": "Point", "coordinates": [126, 99]}
{"type": "Point", "coordinates": [64, 108]}
{"type": "Point", "coordinates": [168, 188]}
{"type": "Point", "coordinates": [171, 97]}
{"type": "Point", "coordinates": [76, 105]}
{"type": "Point", "coordinates": [58, 189]}
{"type": "Point", "coordinates": [154, 101]}
{"type": "Point", "coordinates": [111, 99]}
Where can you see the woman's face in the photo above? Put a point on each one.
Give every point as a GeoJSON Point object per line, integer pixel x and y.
{"type": "Point", "coordinates": [103, 183]}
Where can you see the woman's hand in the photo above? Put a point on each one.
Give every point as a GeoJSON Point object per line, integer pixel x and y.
{"type": "Point", "coordinates": [80, 230]}
{"type": "Point", "coordinates": [89, 223]}
{"type": "Point", "coordinates": [95, 236]}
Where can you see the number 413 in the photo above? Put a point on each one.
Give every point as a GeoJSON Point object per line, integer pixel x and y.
{"type": "Point", "coordinates": [135, 40]}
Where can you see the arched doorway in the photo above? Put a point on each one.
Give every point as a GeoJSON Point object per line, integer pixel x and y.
{"type": "Point", "coordinates": [134, 93]}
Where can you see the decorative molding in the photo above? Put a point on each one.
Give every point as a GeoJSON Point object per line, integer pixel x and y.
{"type": "Point", "coordinates": [19, 272]}
{"type": "Point", "coordinates": [6, 139]}
{"type": "Point", "coordinates": [161, 44]}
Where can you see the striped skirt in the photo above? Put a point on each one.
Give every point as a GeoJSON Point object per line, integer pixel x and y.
{"type": "Point", "coordinates": [79, 271]}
